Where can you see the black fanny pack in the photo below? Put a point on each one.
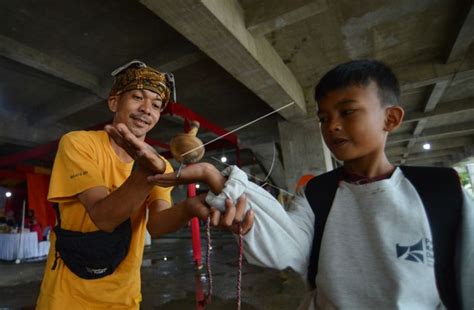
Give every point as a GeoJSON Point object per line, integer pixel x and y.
{"type": "Point", "coordinates": [92, 255]}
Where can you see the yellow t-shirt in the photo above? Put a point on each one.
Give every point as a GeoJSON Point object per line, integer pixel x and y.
{"type": "Point", "coordinates": [85, 159]}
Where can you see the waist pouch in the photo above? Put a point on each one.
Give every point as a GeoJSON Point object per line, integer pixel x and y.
{"type": "Point", "coordinates": [93, 255]}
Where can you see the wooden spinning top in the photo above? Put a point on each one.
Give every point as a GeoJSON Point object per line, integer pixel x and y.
{"type": "Point", "coordinates": [182, 144]}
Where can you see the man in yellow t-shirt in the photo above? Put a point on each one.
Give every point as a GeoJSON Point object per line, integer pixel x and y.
{"type": "Point", "coordinates": [98, 192]}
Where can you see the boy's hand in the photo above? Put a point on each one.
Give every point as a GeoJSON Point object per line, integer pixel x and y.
{"type": "Point", "coordinates": [229, 220]}
{"type": "Point", "coordinates": [233, 216]}
{"type": "Point", "coordinates": [143, 153]}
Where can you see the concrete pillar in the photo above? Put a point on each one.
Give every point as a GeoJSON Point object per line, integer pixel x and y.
{"type": "Point", "coordinates": [303, 150]}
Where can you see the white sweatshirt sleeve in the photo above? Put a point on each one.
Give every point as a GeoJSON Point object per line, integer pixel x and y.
{"type": "Point", "coordinates": [278, 238]}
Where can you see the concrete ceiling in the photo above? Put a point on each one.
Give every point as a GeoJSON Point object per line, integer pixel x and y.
{"type": "Point", "coordinates": [235, 60]}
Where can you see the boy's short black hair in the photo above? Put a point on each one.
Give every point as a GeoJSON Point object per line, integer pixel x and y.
{"type": "Point", "coordinates": [361, 73]}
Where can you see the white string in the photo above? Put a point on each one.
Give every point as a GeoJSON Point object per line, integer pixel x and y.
{"type": "Point", "coordinates": [236, 129]}
{"type": "Point", "coordinates": [181, 165]}
{"type": "Point", "coordinates": [273, 163]}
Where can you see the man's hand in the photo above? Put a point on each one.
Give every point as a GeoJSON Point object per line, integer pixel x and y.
{"type": "Point", "coordinates": [143, 154]}
{"type": "Point", "coordinates": [189, 174]}
{"type": "Point", "coordinates": [201, 172]}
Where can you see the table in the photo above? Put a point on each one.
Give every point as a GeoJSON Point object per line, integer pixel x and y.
{"type": "Point", "coordinates": [10, 243]}
{"type": "Point", "coordinates": [43, 248]}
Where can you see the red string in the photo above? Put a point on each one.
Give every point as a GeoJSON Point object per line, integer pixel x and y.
{"type": "Point", "coordinates": [239, 275]}
{"type": "Point", "coordinates": [207, 300]}
{"type": "Point", "coordinates": [208, 260]}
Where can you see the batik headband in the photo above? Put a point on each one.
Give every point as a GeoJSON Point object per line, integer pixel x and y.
{"type": "Point", "coordinates": [136, 75]}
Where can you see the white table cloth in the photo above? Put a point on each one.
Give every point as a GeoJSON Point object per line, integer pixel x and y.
{"type": "Point", "coordinates": [10, 246]}
{"type": "Point", "coordinates": [43, 248]}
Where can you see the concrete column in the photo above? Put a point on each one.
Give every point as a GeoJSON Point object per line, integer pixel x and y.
{"type": "Point", "coordinates": [303, 150]}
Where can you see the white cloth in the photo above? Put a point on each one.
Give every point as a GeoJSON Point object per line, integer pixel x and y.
{"type": "Point", "coordinates": [283, 238]}
{"type": "Point", "coordinates": [10, 246]}
{"type": "Point", "coordinates": [43, 248]}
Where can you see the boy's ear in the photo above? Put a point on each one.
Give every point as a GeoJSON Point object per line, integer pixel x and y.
{"type": "Point", "coordinates": [113, 103]}
{"type": "Point", "coordinates": [393, 117]}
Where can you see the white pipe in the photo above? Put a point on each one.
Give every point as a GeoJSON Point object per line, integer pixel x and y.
{"type": "Point", "coordinates": [20, 250]}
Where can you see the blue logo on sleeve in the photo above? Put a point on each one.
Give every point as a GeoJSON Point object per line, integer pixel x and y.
{"type": "Point", "coordinates": [420, 252]}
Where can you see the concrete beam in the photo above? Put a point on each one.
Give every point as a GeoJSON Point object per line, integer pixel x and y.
{"type": "Point", "coordinates": [444, 156]}
{"type": "Point", "coordinates": [394, 151]}
{"type": "Point", "coordinates": [33, 58]}
{"type": "Point", "coordinates": [17, 130]}
{"type": "Point", "coordinates": [435, 96]}
{"type": "Point", "coordinates": [433, 100]}
{"type": "Point", "coordinates": [434, 154]}
{"type": "Point", "coordinates": [447, 108]}
{"type": "Point", "coordinates": [218, 29]}
{"type": "Point", "coordinates": [430, 161]}
{"type": "Point", "coordinates": [464, 38]}
{"type": "Point", "coordinates": [409, 146]}
{"type": "Point", "coordinates": [52, 112]}
{"type": "Point", "coordinates": [173, 56]}
{"type": "Point", "coordinates": [269, 15]}
{"type": "Point", "coordinates": [419, 127]}
{"type": "Point", "coordinates": [405, 154]}
{"type": "Point", "coordinates": [10, 140]}
{"type": "Point", "coordinates": [455, 157]}
{"type": "Point", "coordinates": [436, 145]}
{"type": "Point", "coordinates": [58, 110]}
{"type": "Point", "coordinates": [437, 132]}
{"type": "Point", "coordinates": [180, 62]}
{"type": "Point", "coordinates": [421, 75]}
{"type": "Point", "coordinates": [97, 86]}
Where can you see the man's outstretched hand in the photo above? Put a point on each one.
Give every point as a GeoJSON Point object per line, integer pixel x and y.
{"type": "Point", "coordinates": [143, 153]}
{"type": "Point", "coordinates": [200, 172]}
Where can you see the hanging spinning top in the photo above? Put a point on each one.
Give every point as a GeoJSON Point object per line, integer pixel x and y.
{"type": "Point", "coordinates": [186, 148]}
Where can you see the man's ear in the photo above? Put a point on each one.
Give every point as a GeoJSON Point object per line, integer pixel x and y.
{"type": "Point", "coordinates": [393, 117]}
{"type": "Point", "coordinates": [113, 103]}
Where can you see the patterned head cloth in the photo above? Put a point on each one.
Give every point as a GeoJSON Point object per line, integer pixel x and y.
{"type": "Point", "coordinates": [136, 75]}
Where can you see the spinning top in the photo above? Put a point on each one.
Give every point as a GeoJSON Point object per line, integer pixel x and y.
{"type": "Point", "coordinates": [186, 148]}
